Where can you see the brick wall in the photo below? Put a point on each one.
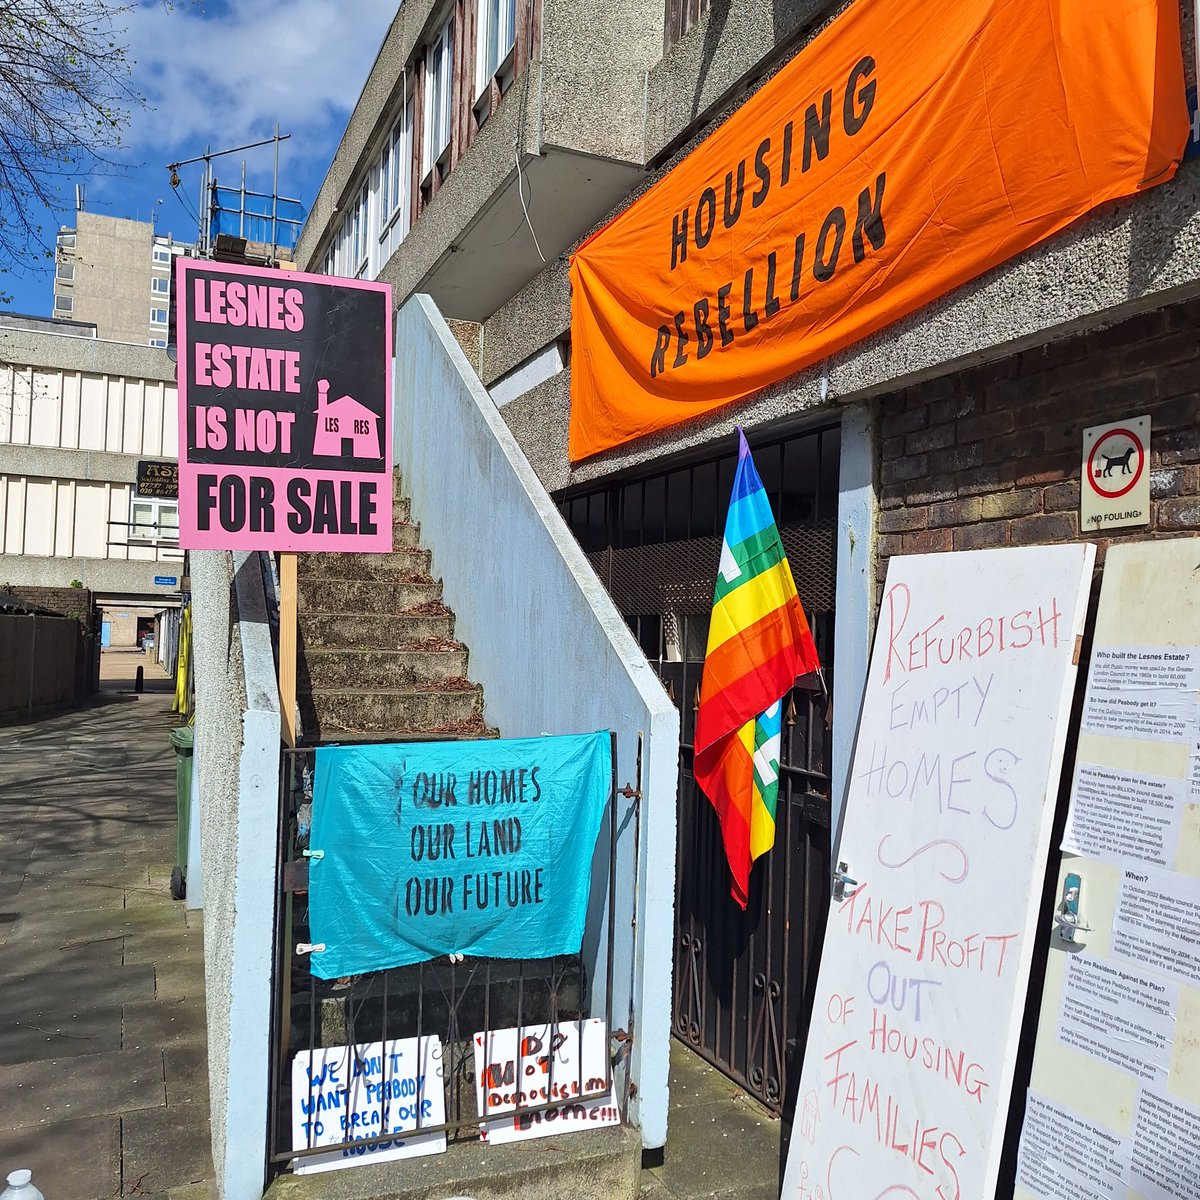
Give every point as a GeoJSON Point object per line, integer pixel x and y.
{"type": "Point", "coordinates": [991, 456]}
{"type": "Point", "coordinates": [66, 602]}
{"type": "Point", "coordinates": [78, 604]}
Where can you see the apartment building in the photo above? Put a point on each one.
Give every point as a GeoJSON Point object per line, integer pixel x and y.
{"type": "Point", "coordinates": [115, 273]}
{"type": "Point", "coordinates": [491, 142]}
{"type": "Point", "coordinates": [88, 441]}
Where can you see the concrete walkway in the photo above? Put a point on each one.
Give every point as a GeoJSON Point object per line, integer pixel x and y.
{"type": "Point", "coordinates": [103, 1067]}
{"type": "Point", "coordinates": [721, 1144]}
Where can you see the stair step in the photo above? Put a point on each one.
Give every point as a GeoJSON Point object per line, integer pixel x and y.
{"type": "Point", "coordinates": [375, 631]}
{"type": "Point", "coordinates": [409, 561]}
{"type": "Point", "coordinates": [317, 595]}
{"type": "Point", "coordinates": [381, 668]}
{"type": "Point", "coordinates": [401, 509]}
{"type": "Point", "coordinates": [328, 713]}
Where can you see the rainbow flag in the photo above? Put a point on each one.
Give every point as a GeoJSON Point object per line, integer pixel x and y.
{"type": "Point", "coordinates": [758, 643]}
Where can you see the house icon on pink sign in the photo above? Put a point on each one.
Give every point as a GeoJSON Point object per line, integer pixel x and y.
{"type": "Point", "coordinates": [345, 428]}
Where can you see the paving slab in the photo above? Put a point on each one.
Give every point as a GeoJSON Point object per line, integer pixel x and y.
{"type": "Point", "coordinates": [166, 1023]}
{"type": "Point", "coordinates": [100, 923]}
{"type": "Point", "coordinates": [179, 979]}
{"type": "Point", "coordinates": [165, 1148]}
{"type": "Point", "coordinates": [72, 1160]}
{"type": "Point", "coordinates": [185, 1070]}
{"type": "Point", "coordinates": [30, 1041]}
{"type": "Point", "coordinates": [40, 1093]}
{"type": "Point", "coordinates": [60, 997]}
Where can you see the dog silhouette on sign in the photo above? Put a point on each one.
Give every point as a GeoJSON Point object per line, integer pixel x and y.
{"type": "Point", "coordinates": [1121, 460]}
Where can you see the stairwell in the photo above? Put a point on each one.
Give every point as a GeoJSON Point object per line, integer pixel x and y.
{"type": "Point", "coordinates": [377, 653]}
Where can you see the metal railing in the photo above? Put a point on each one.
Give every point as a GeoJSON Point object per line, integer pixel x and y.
{"type": "Point", "coordinates": [452, 999]}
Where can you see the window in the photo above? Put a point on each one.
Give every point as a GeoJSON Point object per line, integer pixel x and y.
{"type": "Point", "coordinates": [160, 284]}
{"type": "Point", "coordinates": [439, 72]}
{"type": "Point", "coordinates": [161, 254]}
{"type": "Point", "coordinates": [65, 271]}
{"type": "Point", "coordinates": [159, 342]}
{"type": "Point", "coordinates": [497, 32]}
{"type": "Point", "coordinates": [62, 301]}
{"type": "Point", "coordinates": [360, 229]}
{"type": "Point", "coordinates": [66, 241]}
{"type": "Point", "coordinates": [158, 316]}
{"type": "Point", "coordinates": [153, 520]}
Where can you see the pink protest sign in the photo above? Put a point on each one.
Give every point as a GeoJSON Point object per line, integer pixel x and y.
{"type": "Point", "coordinates": [285, 436]}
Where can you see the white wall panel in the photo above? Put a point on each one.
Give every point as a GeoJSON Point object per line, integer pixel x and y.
{"type": "Point", "coordinates": [39, 517]}
{"type": "Point", "coordinates": [68, 433]}
{"type": "Point", "coordinates": [45, 408]}
{"type": "Point", "coordinates": [114, 424]}
{"type": "Point", "coordinates": [14, 528]}
{"type": "Point", "coordinates": [132, 406]}
{"type": "Point", "coordinates": [170, 442]}
{"type": "Point", "coordinates": [19, 398]}
{"type": "Point", "coordinates": [6, 388]}
{"type": "Point", "coordinates": [91, 513]}
{"type": "Point", "coordinates": [152, 421]}
{"type": "Point", "coordinates": [3, 510]}
{"type": "Point", "coordinates": [64, 520]}
{"type": "Point", "coordinates": [93, 408]}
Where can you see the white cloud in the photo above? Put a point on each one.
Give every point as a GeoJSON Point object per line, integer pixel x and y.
{"type": "Point", "coordinates": [220, 77]}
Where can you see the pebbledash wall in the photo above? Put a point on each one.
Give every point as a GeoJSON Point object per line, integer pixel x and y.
{"type": "Point", "coordinates": [992, 456]}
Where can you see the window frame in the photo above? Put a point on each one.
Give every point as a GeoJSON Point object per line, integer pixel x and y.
{"type": "Point", "coordinates": [501, 70]}
{"type": "Point", "coordinates": [156, 320]}
{"type": "Point", "coordinates": [154, 527]}
{"type": "Point", "coordinates": [438, 85]}
{"type": "Point", "coordinates": [160, 285]}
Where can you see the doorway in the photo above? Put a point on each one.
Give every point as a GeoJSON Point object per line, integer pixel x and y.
{"type": "Point", "coordinates": [743, 982]}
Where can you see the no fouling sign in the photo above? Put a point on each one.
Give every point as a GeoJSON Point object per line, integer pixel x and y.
{"type": "Point", "coordinates": [284, 410]}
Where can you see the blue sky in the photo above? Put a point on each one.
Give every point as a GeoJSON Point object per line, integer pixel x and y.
{"type": "Point", "coordinates": [221, 74]}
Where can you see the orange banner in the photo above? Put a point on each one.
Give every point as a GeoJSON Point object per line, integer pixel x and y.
{"type": "Point", "coordinates": [913, 145]}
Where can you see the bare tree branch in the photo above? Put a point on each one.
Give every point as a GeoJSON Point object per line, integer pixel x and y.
{"type": "Point", "coordinates": [65, 96]}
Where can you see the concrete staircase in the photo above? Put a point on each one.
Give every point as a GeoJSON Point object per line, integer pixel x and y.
{"type": "Point", "coordinates": [378, 657]}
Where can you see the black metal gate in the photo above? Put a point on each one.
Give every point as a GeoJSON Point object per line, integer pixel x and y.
{"type": "Point", "coordinates": [367, 1018]}
{"type": "Point", "coordinates": [743, 982]}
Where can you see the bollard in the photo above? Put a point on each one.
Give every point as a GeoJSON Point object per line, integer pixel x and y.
{"type": "Point", "coordinates": [139, 680]}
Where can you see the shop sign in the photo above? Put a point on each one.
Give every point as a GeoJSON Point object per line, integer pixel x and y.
{"type": "Point", "coordinates": [480, 848]}
{"type": "Point", "coordinates": [909, 148]}
{"type": "Point", "coordinates": [1115, 487]}
{"type": "Point", "coordinates": [536, 1066]}
{"type": "Point", "coordinates": [351, 1094]}
{"type": "Point", "coordinates": [284, 410]}
{"type": "Point", "coordinates": [159, 480]}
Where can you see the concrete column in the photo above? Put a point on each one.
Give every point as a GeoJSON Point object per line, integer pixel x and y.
{"type": "Point", "coordinates": [855, 596]}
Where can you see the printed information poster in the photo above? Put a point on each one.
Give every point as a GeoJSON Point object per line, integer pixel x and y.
{"type": "Point", "coordinates": [1143, 692]}
{"type": "Point", "coordinates": [1123, 816]}
{"type": "Point", "coordinates": [353, 1093]}
{"type": "Point", "coordinates": [1064, 1155]}
{"type": "Point", "coordinates": [566, 1062]}
{"type": "Point", "coordinates": [1165, 1160]}
{"type": "Point", "coordinates": [1119, 1016]}
{"type": "Point", "coordinates": [1158, 922]}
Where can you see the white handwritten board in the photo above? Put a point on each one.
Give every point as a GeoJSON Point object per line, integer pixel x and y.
{"type": "Point", "coordinates": [910, 1053]}
{"type": "Point", "coordinates": [1128, 1077]}
{"type": "Point", "coordinates": [566, 1063]}
{"type": "Point", "coordinates": [358, 1094]}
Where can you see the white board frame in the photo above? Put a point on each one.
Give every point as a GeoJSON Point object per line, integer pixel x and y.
{"type": "Point", "coordinates": [981, 866]}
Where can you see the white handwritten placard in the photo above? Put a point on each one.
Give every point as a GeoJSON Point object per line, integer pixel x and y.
{"type": "Point", "coordinates": [564, 1062]}
{"type": "Point", "coordinates": [354, 1094]}
{"type": "Point", "coordinates": [912, 1043]}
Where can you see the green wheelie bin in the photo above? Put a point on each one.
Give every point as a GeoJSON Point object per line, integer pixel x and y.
{"type": "Point", "coordinates": [182, 740]}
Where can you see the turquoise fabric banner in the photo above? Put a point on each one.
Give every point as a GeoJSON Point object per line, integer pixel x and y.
{"type": "Point", "coordinates": [481, 848]}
